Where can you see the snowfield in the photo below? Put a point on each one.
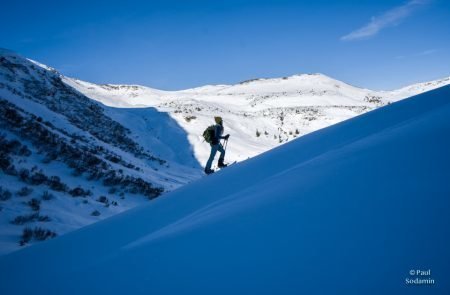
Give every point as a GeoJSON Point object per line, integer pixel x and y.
{"type": "Point", "coordinates": [348, 209]}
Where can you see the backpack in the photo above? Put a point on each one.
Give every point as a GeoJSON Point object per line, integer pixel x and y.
{"type": "Point", "coordinates": [208, 134]}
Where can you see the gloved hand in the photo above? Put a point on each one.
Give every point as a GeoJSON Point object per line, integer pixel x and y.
{"type": "Point", "coordinates": [226, 136]}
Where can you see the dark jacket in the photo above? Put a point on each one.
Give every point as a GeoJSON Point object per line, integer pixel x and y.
{"type": "Point", "coordinates": [218, 131]}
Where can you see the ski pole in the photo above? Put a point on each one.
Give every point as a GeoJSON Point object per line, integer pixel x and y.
{"type": "Point", "coordinates": [226, 144]}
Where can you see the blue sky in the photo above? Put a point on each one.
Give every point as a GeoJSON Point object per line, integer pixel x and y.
{"type": "Point", "coordinates": [181, 44]}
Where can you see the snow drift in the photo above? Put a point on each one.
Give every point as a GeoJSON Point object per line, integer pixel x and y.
{"type": "Point", "coordinates": [349, 209]}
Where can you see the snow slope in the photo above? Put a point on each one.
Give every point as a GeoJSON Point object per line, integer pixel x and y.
{"type": "Point", "coordinates": [349, 209]}
{"type": "Point", "coordinates": [55, 141]}
{"type": "Point", "coordinates": [259, 114]}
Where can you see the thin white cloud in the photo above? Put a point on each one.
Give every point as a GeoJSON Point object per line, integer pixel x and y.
{"type": "Point", "coordinates": [427, 52]}
{"type": "Point", "coordinates": [422, 53]}
{"type": "Point", "coordinates": [390, 18]}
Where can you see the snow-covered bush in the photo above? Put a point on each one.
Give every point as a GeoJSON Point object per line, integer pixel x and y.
{"type": "Point", "coordinates": [190, 118]}
{"type": "Point", "coordinates": [5, 161]}
{"type": "Point", "coordinates": [54, 182]}
{"type": "Point", "coordinates": [103, 199]}
{"type": "Point", "coordinates": [95, 213]}
{"type": "Point", "coordinates": [4, 194]}
{"type": "Point", "coordinates": [37, 233]}
{"type": "Point", "coordinates": [24, 191]}
{"type": "Point", "coordinates": [46, 196]}
{"type": "Point", "coordinates": [24, 174]}
{"type": "Point", "coordinates": [79, 192]}
{"type": "Point", "coordinates": [35, 204]}
{"type": "Point", "coordinates": [38, 178]}
{"type": "Point", "coordinates": [22, 219]}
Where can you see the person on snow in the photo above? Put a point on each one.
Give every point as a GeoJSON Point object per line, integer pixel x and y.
{"type": "Point", "coordinates": [217, 146]}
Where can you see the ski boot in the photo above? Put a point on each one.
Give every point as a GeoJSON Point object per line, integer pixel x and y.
{"type": "Point", "coordinates": [208, 171]}
{"type": "Point", "coordinates": [221, 164]}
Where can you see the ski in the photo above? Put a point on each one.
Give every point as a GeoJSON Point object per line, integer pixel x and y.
{"type": "Point", "coordinates": [228, 165]}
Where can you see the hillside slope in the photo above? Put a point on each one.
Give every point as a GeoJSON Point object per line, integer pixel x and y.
{"type": "Point", "coordinates": [349, 209]}
{"type": "Point", "coordinates": [67, 161]}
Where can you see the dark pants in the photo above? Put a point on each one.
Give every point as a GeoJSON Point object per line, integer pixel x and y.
{"type": "Point", "coordinates": [214, 149]}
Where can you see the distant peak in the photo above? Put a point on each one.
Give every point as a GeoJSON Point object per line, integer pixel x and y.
{"type": "Point", "coordinates": [249, 81]}
{"type": "Point", "coordinates": [301, 75]}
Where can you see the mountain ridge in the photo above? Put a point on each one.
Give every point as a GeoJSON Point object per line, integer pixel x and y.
{"type": "Point", "coordinates": [440, 82]}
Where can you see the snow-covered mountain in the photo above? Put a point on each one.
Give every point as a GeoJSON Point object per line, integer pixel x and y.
{"type": "Point", "coordinates": [67, 161]}
{"type": "Point", "coordinates": [349, 209]}
{"type": "Point", "coordinates": [74, 152]}
{"type": "Point", "coordinates": [259, 114]}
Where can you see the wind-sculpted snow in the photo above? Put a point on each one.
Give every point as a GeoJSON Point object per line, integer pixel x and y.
{"type": "Point", "coordinates": [348, 209]}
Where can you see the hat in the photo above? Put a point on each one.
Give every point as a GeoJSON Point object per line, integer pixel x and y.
{"type": "Point", "coordinates": [218, 120]}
